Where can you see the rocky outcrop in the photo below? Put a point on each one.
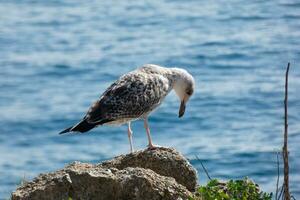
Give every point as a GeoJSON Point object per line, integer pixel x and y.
{"type": "Point", "coordinates": [150, 174]}
{"type": "Point", "coordinates": [164, 161]}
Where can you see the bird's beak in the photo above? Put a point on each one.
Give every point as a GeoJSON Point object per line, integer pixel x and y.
{"type": "Point", "coordinates": [181, 109]}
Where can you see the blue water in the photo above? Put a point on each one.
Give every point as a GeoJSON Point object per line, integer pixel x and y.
{"type": "Point", "coordinates": [58, 56]}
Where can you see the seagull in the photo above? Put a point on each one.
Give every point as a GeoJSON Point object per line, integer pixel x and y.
{"type": "Point", "coordinates": [134, 96]}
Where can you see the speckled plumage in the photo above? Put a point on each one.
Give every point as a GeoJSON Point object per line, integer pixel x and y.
{"type": "Point", "coordinates": [132, 96]}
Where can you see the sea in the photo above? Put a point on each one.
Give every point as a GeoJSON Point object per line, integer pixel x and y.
{"type": "Point", "coordinates": [58, 56]}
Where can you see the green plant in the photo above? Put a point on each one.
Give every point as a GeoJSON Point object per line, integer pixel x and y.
{"type": "Point", "coordinates": [232, 190]}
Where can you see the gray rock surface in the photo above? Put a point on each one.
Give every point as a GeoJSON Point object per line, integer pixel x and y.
{"type": "Point", "coordinates": [164, 161]}
{"type": "Point", "coordinates": [115, 179]}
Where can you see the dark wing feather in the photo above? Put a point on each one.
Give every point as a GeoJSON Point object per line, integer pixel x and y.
{"type": "Point", "coordinates": [100, 110]}
{"type": "Point", "coordinates": [130, 97]}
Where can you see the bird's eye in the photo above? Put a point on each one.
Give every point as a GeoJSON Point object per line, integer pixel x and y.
{"type": "Point", "coordinates": [189, 92]}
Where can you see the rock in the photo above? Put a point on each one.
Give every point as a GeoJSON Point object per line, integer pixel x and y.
{"type": "Point", "coordinates": [150, 174]}
{"type": "Point", "coordinates": [164, 161]}
{"type": "Point", "coordinates": [85, 181]}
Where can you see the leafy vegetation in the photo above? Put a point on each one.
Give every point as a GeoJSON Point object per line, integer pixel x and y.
{"type": "Point", "coordinates": [232, 190]}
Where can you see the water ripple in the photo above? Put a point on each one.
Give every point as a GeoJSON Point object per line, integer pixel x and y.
{"type": "Point", "coordinates": [57, 57]}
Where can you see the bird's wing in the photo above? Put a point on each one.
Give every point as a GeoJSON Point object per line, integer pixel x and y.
{"type": "Point", "coordinates": [132, 96]}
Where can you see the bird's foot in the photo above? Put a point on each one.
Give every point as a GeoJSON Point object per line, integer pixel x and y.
{"type": "Point", "coordinates": [152, 146]}
{"type": "Point", "coordinates": [132, 150]}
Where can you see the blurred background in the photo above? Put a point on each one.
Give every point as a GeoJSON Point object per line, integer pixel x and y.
{"type": "Point", "coordinates": [58, 56]}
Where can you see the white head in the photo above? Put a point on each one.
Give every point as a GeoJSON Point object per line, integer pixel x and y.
{"type": "Point", "coordinates": [184, 85]}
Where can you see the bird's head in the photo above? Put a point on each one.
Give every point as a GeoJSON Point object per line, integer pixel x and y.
{"type": "Point", "coordinates": [184, 85]}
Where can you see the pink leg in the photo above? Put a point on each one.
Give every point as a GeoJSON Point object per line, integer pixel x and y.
{"type": "Point", "coordinates": [150, 145]}
{"type": "Point", "coordinates": [129, 131]}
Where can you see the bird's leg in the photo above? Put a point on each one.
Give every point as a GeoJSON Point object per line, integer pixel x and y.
{"type": "Point", "coordinates": [150, 145]}
{"type": "Point", "coordinates": [129, 131]}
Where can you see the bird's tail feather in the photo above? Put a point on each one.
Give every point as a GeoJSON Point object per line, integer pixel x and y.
{"type": "Point", "coordinates": [66, 130]}
{"type": "Point", "coordinates": [82, 126]}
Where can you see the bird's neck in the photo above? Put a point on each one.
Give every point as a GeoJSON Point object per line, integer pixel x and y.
{"type": "Point", "coordinates": [173, 75]}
